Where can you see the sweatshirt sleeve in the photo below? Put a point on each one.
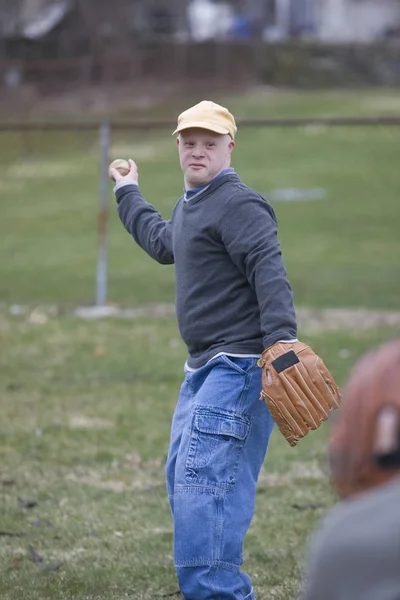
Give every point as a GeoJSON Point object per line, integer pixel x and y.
{"type": "Point", "coordinates": [249, 231]}
{"type": "Point", "coordinates": [145, 224]}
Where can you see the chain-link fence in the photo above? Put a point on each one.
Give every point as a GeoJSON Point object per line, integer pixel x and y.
{"type": "Point", "coordinates": [332, 182]}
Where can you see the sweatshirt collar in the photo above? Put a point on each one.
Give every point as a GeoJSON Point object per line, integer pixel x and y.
{"type": "Point", "coordinates": [190, 194]}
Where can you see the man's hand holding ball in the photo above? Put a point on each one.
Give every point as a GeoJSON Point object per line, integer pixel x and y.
{"type": "Point", "coordinates": [123, 170]}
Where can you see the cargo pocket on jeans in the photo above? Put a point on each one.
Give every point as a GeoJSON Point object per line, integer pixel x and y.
{"type": "Point", "coordinates": [216, 441]}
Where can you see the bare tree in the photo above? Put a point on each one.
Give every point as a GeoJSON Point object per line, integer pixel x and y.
{"type": "Point", "coordinates": [106, 21]}
{"type": "Point", "coordinates": [10, 12]}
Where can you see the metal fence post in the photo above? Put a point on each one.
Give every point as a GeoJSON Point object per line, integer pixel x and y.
{"type": "Point", "coordinates": [101, 275]}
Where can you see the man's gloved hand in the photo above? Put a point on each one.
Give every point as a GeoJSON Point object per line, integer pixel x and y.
{"type": "Point", "coordinates": [297, 388]}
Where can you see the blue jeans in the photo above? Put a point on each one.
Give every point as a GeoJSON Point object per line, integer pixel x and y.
{"type": "Point", "coordinates": [219, 437]}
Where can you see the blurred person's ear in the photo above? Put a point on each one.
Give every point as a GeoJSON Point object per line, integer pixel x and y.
{"type": "Point", "coordinates": [386, 448]}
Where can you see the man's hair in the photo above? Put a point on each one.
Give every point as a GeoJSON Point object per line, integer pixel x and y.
{"type": "Point", "coordinates": [373, 387]}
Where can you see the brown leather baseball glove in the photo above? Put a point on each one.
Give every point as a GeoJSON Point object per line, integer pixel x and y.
{"type": "Point", "coordinates": [297, 388]}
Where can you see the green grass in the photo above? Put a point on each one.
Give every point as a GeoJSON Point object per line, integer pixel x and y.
{"type": "Point", "coordinates": [339, 251]}
{"type": "Point", "coordinates": [85, 415]}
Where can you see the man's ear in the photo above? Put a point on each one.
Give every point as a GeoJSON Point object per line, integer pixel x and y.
{"type": "Point", "coordinates": [231, 146]}
{"type": "Point", "coordinates": [177, 140]}
{"type": "Point", "coordinates": [386, 443]}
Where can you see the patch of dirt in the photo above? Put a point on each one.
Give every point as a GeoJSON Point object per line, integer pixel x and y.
{"type": "Point", "coordinates": [389, 104]}
{"type": "Point", "coordinates": [299, 470]}
{"type": "Point", "coordinates": [143, 476]}
{"type": "Point", "coordinates": [116, 486]}
{"type": "Point", "coordinates": [329, 319]}
{"type": "Point", "coordinates": [110, 485]}
{"type": "Point", "coordinates": [143, 151]}
{"type": "Point", "coordinates": [83, 422]}
{"type": "Point", "coordinates": [313, 319]}
{"type": "Point", "coordinates": [34, 169]}
{"type": "Point", "coordinates": [84, 101]}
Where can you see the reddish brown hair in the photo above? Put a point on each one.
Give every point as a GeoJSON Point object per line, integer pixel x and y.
{"type": "Point", "coordinates": [373, 385]}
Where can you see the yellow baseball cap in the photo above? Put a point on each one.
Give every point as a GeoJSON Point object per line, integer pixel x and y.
{"type": "Point", "coordinates": [207, 115]}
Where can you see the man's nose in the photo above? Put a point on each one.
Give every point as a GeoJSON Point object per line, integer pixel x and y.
{"type": "Point", "coordinates": [197, 152]}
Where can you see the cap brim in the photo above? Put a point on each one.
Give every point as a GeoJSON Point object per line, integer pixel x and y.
{"type": "Point", "coordinates": [201, 125]}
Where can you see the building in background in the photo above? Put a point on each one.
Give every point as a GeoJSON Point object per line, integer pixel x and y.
{"type": "Point", "coordinates": [208, 20]}
{"type": "Point", "coordinates": [31, 19]}
{"type": "Point", "coordinates": [201, 20]}
{"type": "Point", "coordinates": [91, 41]}
{"type": "Point", "coordinates": [357, 20]}
{"type": "Point", "coordinates": [338, 21]}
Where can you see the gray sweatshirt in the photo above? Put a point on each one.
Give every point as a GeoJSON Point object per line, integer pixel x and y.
{"type": "Point", "coordinates": [232, 294]}
{"type": "Point", "coordinates": [355, 555]}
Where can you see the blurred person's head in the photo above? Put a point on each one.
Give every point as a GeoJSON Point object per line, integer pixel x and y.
{"type": "Point", "coordinates": [365, 443]}
{"type": "Point", "coordinates": [205, 142]}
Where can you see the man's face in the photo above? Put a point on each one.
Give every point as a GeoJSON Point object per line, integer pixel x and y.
{"type": "Point", "coordinates": [203, 155]}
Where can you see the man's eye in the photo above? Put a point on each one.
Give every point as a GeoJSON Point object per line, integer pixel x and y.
{"type": "Point", "coordinates": [210, 145]}
{"type": "Point", "coordinates": [188, 144]}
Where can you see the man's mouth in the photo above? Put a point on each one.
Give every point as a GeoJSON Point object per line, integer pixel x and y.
{"type": "Point", "coordinates": [196, 165]}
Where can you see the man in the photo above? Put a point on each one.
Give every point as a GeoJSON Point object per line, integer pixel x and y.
{"type": "Point", "coordinates": [356, 553]}
{"type": "Point", "coordinates": [232, 300]}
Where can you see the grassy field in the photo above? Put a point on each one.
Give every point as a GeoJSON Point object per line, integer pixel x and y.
{"type": "Point", "coordinates": [86, 406]}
